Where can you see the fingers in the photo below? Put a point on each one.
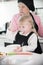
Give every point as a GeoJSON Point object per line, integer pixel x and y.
{"type": "Point", "coordinates": [18, 49]}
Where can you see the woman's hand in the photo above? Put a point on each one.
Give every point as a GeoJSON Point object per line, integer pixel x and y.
{"type": "Point", "coordinates": [18, 49]}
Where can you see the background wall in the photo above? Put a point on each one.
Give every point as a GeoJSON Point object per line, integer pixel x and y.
{"type": "Point", "coordinates": [9, 8]}
{"type": "Point", "coordinates": [39, 5]}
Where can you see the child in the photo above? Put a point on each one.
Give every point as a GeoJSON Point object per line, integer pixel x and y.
{"type": "Point", "coordinates": [27, 36]}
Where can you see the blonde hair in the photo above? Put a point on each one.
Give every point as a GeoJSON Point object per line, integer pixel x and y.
{"type": "Point", "coordinates": [24, 17]}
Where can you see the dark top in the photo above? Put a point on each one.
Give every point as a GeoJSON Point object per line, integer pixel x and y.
{"type": "Point", "coordinates": [22, 40]}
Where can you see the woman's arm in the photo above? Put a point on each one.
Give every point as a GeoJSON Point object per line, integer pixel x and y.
{"type": "Point", "coordinates": [14, 23]}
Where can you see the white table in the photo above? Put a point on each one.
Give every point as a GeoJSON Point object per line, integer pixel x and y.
{"type": "Point", "coordinates": [34, 59]}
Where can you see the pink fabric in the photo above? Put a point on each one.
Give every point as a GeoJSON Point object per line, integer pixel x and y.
{"type": "Point", "coordinates": [14, 24]}
{"type": "Point", "coordinates": [40, 26]}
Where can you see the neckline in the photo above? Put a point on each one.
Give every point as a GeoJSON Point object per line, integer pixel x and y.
{"type": "Point", "coordinates": [25, 34]}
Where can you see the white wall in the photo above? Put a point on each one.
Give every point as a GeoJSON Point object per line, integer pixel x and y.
{"type": "Point", "coordinates": [39, 4]}
{"type": "Point", "coordinates": [8, 9]}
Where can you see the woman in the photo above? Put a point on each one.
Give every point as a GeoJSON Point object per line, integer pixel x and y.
{"type": "Point", "coordinates": [26, 7]}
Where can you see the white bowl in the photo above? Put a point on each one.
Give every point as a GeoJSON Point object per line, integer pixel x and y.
{"type": "Point", "coordinates": [10, 48]}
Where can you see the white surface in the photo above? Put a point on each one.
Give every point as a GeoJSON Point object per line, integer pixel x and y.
{"type": "Point", "coordinates": [35, 59]}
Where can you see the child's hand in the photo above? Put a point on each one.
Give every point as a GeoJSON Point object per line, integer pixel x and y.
{"type": "Point", "coordinates": [18, 49]}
